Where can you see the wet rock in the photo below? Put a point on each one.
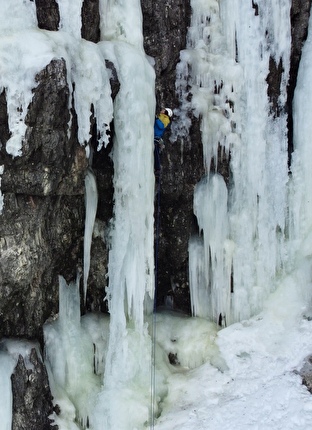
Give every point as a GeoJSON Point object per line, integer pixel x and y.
{"type": "Point", "coordinates": [306, 373]}
{"type": "Point", "coordinates": [41, 227]}
{"type": "Point", "coordinates": [90, 17]}
{"type": "Point", "coordinates": [164, 27]}
{"type": "Point", "coordinates": [274, 80]}
{"type": "Point", "coordinates": [32, 399]}
{"type": "Point", "coordinates": [4, 125]}
{"type": "Point", "coordinates": [48, 15]}
{"type": "Point", "coordinates": [114, 81]}
{"type": "Point", "coordinates": [98, 281]}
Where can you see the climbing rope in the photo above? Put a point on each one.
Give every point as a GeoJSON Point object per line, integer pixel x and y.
{"type": "Point", "coordinates": [157, 228]}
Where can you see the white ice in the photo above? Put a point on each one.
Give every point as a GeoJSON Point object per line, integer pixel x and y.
{"type": "Point", "coordinates": [91, 200]}
{"type": "Point", "coordinates": [131, 263]}
{"type": "Point", "coordinates": [69, 357]}
{"type": "Point", "coordinates": [228, 54]}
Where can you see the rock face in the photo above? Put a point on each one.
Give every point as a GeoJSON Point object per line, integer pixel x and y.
{"type": "Point", "coordinates": [165, 28]}
{"type": "Point", "coordinates": [32, 400]}
{"type": "Point", "coordinates": [41, 228]}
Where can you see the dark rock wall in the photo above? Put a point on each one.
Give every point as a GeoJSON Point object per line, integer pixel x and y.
{"type": "Point", "coordinates": [32, 399]}
{"type": "Point", "coordinates": [165, 28]}
{"type": "Point", "coordinates": [41, 227]}
{"type": "Point", "coordinates": [48, 15]}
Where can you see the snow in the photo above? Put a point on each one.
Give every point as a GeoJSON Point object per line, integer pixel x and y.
{"type": "Point", "coordinates": [250, 266]}
{"type": "Point", "coordinates": [260, 389]}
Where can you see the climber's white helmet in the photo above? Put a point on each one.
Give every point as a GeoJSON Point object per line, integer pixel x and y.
{"type": "Point", "coordinates": [169, 112]}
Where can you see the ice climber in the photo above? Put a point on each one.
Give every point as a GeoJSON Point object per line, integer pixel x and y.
{"type": "Point", "coordinates": [162, 121]}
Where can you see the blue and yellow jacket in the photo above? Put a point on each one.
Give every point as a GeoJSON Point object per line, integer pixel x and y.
{"type": "Point", "coordinates": [161, 123]}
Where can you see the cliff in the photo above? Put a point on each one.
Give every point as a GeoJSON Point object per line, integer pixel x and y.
{"type": "Point", "coordinates": [42, 222]}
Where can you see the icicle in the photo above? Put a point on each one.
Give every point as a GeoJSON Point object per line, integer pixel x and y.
{"type": "Point", "coordinates": [199, 290]}
{"type": "Point", "coordinates": [228, 57]}
{"type": "Point", "coordinates": [69, 355]}
{"type": "Point", "coordinates": [91, 199]}
{"type": "Point", "coordinates": [70, 16]}
{"type": "Point", "coordinates": [211, 257]}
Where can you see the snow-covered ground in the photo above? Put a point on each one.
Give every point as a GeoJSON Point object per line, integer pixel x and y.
{"type": "Point", "coordinates": [259, 388]}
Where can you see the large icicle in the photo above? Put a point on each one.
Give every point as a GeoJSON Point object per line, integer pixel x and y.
{"type": "Point", "coordinates": [130, 271]}
{"type": "Point", "coordinates": [91, 200]}
{"type": "Point", "coordinates": [131, 261]}
{"type": "Point", "coordinates": [209, 292]}
{"type": "Point", "coordinates": [69, 357]}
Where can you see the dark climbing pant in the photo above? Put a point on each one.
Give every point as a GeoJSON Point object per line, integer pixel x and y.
{"type": "Point", "coordinates": [157, 165]}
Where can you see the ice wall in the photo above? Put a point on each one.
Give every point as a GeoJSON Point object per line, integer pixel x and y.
{"type": "Point", "coordinates": [131, 262]}
{"type": "Point", "coordinates": [69, 358]}
{"type": "Point", "coordinates": [230, 44]}
{"type": "Point", "coordinates": [24, 51]}
{"type": "Point", "coordinates": [300, 226]}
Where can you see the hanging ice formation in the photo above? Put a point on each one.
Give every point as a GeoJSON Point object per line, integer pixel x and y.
{"type": "Point", "coordinates": [69, 358]}
{"type": "Point", "coordinates": [234, 261]}
{"type": "Point", "coordinates": [128, 349]}
{"type": "Point", "coordinates": [130, 269]}
{"type": "Point", "coordinates": [91, 200]}
{"type": "Point", "coordinates": [131, 264]}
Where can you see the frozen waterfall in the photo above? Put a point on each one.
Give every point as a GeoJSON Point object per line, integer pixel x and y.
{"type": "Point", "coordinates": [249, 263]}
{"type": "Point", "coordinates": [242, 229]}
